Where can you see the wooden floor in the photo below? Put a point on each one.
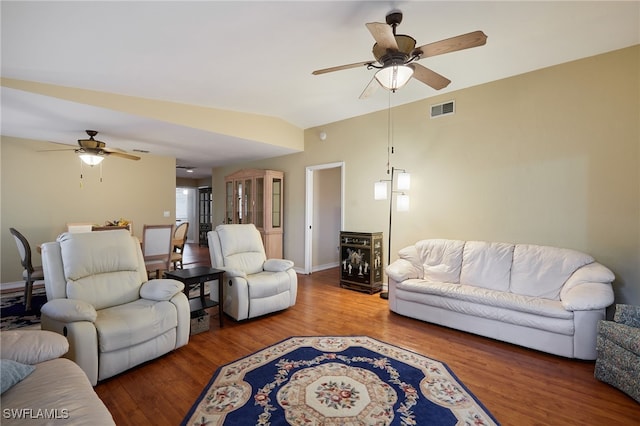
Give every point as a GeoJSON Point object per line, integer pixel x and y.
{"type": "Point", "coordinates": [518, 386]}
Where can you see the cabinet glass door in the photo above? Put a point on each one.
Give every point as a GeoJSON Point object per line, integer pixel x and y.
{"type": "Point", "coordinates": [247, 202]}
{"type": "Point", "coordinates": [276, 202]}
{"type": "Point", "coordinates": [259, 203]}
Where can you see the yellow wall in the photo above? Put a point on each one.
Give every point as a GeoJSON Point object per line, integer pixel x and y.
{"type": "Point", "coordinates": [41, 193]}
{"type": "Point", "coordinates": [549, 157]}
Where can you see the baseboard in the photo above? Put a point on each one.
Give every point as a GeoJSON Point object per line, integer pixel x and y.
{"type": "Point", "coordinates": [317, 268]}
{"type": "Point", "coordinates": [18, 285]}
{"type": "Point", "coordinates": [325, 266]}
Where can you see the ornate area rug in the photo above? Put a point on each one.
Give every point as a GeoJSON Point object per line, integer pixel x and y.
{"type": "Point", "coordinates": [349, 380]}
{"type": "Point", "coordinates": [12, 312]}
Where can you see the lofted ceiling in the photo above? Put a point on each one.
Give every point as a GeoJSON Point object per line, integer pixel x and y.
{"type": "Point", "coordinates": [257, 57]}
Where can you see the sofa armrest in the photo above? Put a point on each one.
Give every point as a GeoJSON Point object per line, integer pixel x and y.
{"type": "Point", "coordinates": [401, 270]}
{"type": "Point", "coordinates": [69, 310]}
{"type": "Point", "coordinates": [32, 346]}
{"type": "Point", "coordinates": [627, 315]}
{"type": "Point", "coordinates": [587, 297]}
{"type": "Point", "coordinates": [592, 273]}
{"type": "Point", "coordinates": [161, 289]}
{"type": "Point", "coordinates": [588, 288]}
{"type": "Point", "coordinates": [277, 265]}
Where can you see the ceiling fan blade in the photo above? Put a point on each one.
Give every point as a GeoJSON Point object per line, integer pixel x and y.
{"type": "Point", "coordinates": [121, 154]}
{"type": "Point", "coordinates": [341, 67]}
{"type": "Point", "coordinates": [428, 77]}
{"type": "Point", "coordinates": [383, 35]}
{"type": "Point", "coordinates": [371, 88]}
{"type": "Point", "coordinates": [461, 42]}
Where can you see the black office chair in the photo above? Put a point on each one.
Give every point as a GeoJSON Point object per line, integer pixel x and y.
{"type": "Point", "coordinates": [31, 273]}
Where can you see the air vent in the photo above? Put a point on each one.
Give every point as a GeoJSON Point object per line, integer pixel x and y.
{"type": "Point", "coordinates": [446, 108]}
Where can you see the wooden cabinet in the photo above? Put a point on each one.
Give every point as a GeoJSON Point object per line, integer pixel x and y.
{"type": "Point", "coordinates": [256, 196]}
{"type": "Point", "coordinates": [361, 261]}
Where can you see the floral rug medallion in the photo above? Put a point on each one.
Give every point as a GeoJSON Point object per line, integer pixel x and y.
{"type": "Point", "coordinates": [351, 380]}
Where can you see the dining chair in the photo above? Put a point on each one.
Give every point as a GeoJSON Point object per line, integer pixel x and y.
{"type": "Point", "coordinates": [79, 227]}
{"type": "Point", "coordinates": [31, 273]}
{"type": "Point", "coordinates": [179, 240]}
{"type": "Point", "coordinates": [157, 243]}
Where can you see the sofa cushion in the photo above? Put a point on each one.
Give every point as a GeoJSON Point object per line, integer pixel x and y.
{"type": "Point", "coordinates": [541, 314]}
{"type": "Point", "coordinates": [101, 268]}
{"type": "Point", "coordinates": [541, 271]}
{"type": "Point", "coordinates": [127, 325]}
{"type": "Point", "coordinates": [268, 284]}
{"type": "Point", "coordinates": [442, 259]}
{"type": "Point", "coordinates": [97, 253]}
{"type": "Point", "coordinates": [58, 384]}
{"type": "Point", "coordinates": [242, 248]}
{"type": "Point", "coordinates": [487, 265]}
{"type": "Point", "coordinates": [488, 297]}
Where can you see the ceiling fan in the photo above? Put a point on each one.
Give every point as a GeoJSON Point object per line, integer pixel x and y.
{"type": "Point", "coordinates": [396, 55]}
{"type": "Point", "coordinates": [98, 149]}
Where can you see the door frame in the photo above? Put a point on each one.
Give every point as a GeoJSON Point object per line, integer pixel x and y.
{"type": "Point", "coordinates": [310, 208]}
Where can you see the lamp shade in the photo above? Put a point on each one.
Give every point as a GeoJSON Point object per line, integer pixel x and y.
{"type": "Point", "coordinates": [380, 191]}
{"type": "Point", "coordinates": [91, 159]}
{"type": "Point", "coordinates": [402, 203]}
{"type": "Point", "coordinates": [404, 181]}
{"type": "Point", "coordinates": [394, 77]}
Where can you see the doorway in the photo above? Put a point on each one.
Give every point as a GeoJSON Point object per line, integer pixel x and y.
{"type": "Point", "coordinates": [186, 209]}
{"type": "Point", "coordinates": [324, 206]}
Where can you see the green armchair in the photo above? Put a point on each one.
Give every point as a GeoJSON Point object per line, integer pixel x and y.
{"type": "Point", "coordinates": [618, 348]}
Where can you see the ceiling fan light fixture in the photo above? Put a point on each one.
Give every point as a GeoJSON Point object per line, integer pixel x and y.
{"type": "Point", "coordinates": [394, 76]}
{"type": "Point", "coordinates": [91, 159]}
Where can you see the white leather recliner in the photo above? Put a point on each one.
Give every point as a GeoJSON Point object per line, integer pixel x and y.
{"type": "Point", "coordinates": [99, 297]}
{"type": "Point", "coordinates": [253, 284]}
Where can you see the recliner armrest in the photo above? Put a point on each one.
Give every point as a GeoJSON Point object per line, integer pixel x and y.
{"type": "Point", "coordinates": [161, 289]}
{"type": "Point", "coordinates": [277, 265]}
{"type": "Point", "coordinates": [69, 310]}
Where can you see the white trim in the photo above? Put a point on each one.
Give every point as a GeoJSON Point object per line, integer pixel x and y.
{"type": "Point", "coordinates": [325, 266]}
{"type": "Point", "coordinates": [18, 285]}
{"type": "Point", "coordinates": [309, 208]}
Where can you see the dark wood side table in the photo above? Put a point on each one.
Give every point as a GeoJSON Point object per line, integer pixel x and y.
{"type": "Point", "coordinates": [197, 276]}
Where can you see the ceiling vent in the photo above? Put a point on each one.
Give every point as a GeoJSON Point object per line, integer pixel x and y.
{"type": "Point", "coordinates": [446, 108]}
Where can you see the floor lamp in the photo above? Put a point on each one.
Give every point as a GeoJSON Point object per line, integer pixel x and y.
{"type": "Point", "coordinates": [402, 202]}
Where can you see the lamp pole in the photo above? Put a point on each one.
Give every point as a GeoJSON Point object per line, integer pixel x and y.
{"type": "Point", "coordinates": [385, 294]}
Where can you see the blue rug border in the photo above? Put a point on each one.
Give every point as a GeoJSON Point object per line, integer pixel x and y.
{"type": "Point", "coordinates": [219, 369]}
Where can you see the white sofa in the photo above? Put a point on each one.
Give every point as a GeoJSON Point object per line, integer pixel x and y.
{"type": "Point", "coordinates": [99, 297]}
{"type": "Point", "coordinates": [540, 297]}
{"type": "Point", "coordinates": [44, 389]}
{"type": "Point", "coordinates": [254, 285]}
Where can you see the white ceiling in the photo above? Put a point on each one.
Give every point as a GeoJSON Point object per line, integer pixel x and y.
{"type": "Point", "coordinates": [258, 57]}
